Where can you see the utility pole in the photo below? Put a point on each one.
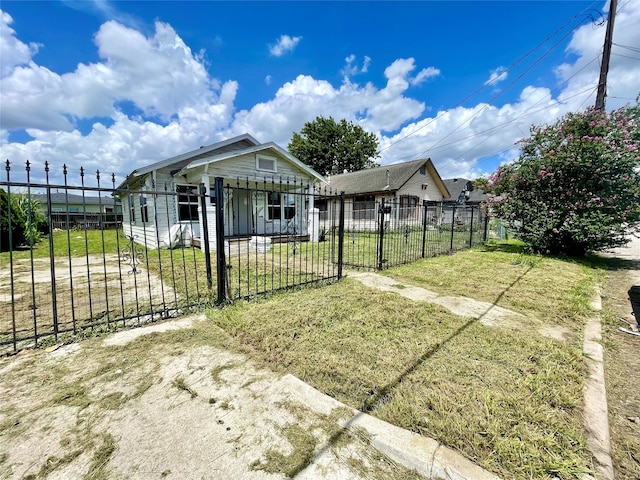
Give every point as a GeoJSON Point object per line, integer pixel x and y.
{"type": "Point", "coordinates": [606, 54]}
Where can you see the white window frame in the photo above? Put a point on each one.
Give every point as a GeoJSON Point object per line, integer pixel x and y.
{"type": "Point", "coordinates": [269, 159]}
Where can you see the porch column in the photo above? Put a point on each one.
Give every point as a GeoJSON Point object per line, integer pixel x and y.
{"type": "Point", "coordinates": [211, 216]}
{"type": "Point", "coordinates": [313, 217]}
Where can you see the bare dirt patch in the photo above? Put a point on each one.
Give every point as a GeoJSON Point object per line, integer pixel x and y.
{"type": "Point", "coordinates": [86, 288]}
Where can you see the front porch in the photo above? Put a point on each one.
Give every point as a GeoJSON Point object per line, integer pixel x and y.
{"type": "Point", "coordinates": [241, 244]}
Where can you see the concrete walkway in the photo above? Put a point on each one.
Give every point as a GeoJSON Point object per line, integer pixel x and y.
{"type": "Point", "coordinates": [415, 452]}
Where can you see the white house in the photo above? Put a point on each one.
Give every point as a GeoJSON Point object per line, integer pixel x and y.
{"type": "Point", "coordinates": [267, 191]}
{"type": "Point", "coordinates": [404, 185]}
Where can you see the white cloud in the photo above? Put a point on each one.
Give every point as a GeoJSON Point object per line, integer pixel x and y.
{"type": "Point", "coordinates": [350, 68]}
{"type": "Point", "coordinates": [624, 72]}
{"type": "Point", "coordinates": [267, 79]}
{"type": "Point", "coordinates": [424, 74]}
{"type": "Point", "coordinates": [498, 75]}
{"type": "Point", "coordinates": [159, 75]}
{"type": "Point", "coordinates": [186, 108]}
{"type": "Point", "coordinates": [13, 52]}
{"type": "Point", "coordinates": [285, 44]}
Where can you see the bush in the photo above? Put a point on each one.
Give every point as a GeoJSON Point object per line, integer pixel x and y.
{"type": "Point", "coordinates": [576, 184]}
{"type": "Point", "coordinates": [27, 221]}
{"type": "Point", "coordinates": [17, 225]}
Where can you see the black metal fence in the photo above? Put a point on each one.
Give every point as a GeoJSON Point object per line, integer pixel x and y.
{"type": "Point", "coordinates": [176, 247]}
{"type": "Point", "coordinates": [385, 233]}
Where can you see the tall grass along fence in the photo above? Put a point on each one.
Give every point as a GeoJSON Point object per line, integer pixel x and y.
{"type": "Point", "coordinates": [79, 254]}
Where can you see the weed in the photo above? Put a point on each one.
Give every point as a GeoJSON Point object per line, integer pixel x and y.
{"type": "Point", "coordinates": [216, 372]}
{"type": "Point", "coordinates": [101, 456]}
{"type": "Point", "coordinates": [422, 368]}
{"type": "Point", "coordinates": [181, 384]}
{"type": "Point", "coordinates": [302, 443]}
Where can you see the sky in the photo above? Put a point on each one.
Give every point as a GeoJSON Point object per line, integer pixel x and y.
{"type": "Point", "coordinates": [113, 86]}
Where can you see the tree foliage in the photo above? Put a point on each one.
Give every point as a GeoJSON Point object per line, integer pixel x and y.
{"type": "Point", "coordinates": [576, 185]}
{"type": "Point", "coordinates": [331, 147]}
{"type": "Point", "coordinates": [27, 221]}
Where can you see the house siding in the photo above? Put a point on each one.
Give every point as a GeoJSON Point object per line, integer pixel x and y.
{"type": "Point", "coordinates": [244, 166]}
{"type": "Point", "coordinates": [238, 172]}
{"type": "Point", "coordinates": [414, 187]}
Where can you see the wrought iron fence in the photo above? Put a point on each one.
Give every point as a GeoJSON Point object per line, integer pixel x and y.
{"type": "Point", "coordinates": [138, 252]}
{"type": "Point", "coordinates": [384, 233]}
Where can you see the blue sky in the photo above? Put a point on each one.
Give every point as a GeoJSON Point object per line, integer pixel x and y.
{"type": "Point", "coordinates": [117, 85]}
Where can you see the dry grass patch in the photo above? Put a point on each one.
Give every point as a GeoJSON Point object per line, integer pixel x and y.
{"type": "Point", "coordinates": [509, 400]}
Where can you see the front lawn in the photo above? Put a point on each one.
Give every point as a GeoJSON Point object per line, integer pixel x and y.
{"type": "Point", "coordinates": [508, 398]}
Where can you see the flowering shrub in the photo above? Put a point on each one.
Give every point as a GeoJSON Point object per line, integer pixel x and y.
{"type": "Point", "coordinates": [576, 185]}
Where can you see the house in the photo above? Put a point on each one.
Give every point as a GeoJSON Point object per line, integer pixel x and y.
{"type": "Point", "coordinates": [404, 185]}
{"type": "Point", "coordinates": [80, 210]}
{"type": "Point", "coordinates": [461, 193]}
{"type": "Point", "coordinates": [266, 192]}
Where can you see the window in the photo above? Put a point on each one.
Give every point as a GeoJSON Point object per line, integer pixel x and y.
{"type": "Point", "coordinates": [364, 207]}
{"type": "Point", "coordinates": [408, 206]}
{"type": "Point", "coordinates": [144, 213]}
{"type": "Point", "coordinates": [273, 205]}
{"type": "Point", "coordinates": [423, 170]}
{"type": "Point", "coordinates": [266, 163]}
{"type": "Point", "coordinates": [187, 203]}
{"type": "Point", "coordinates": [132, 208]}
{"type": "Point", "coordinates": [289, 206]}
{"type": "Point", "coordinates": [323, 208]}
{"type": "Point", "coordinates": [281, 206]}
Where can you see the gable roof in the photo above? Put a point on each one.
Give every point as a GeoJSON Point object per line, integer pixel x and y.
{"type": "Point", "coordinates": [456, 185]}
{"type": "Point", "coordinates": [232, 147]}
{"type": "Point", "coordinates": [235, 143]}
{"type": "Point", "coordinates": [254, 149]}
{"type": "Point", "coordinates": [383, 179]}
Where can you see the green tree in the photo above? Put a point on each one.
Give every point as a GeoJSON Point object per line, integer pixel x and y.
{"type": "Point", "coordinates": [331, 147]}
{"type": "Point", "coordinates": [576, 185]}
{"type": "Point", "coordinates": [17, 223]}
{"type": "Point", "coordinates": [27, 220]}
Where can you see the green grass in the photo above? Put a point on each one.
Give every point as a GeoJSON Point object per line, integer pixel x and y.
{"type": "Point", "coordinates": [555, 290]}
{"type": "Point", "coordinates": [508, 399]}
{"type": "Point", "coordinates": [75, 242]}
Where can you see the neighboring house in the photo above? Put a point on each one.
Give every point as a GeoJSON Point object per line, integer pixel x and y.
{"type": "Point", "coordinates": [78, 210]}
{"type": "Point", "coordinates": [459, 189]}
{"type": "Point", "coordinates": [462, 193]}
{"type": "Point", "coordinates": [269, 192]}
{"type": "Point", "coordinates": [406, 185]}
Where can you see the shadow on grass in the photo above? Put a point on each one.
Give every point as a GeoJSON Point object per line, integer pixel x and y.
{"type": "Point", "coordinates": [378, 395]}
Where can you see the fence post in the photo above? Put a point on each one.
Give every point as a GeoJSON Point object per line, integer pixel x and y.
{"type": "Point", "coordinates": [13, 303]}
{"type": "Point", "coordinates": [204, 235]}
{"type": "Point", "coordinates": [486, 227]}
{"type": "Point", "coordinates": [341, 236]}
{"type": "Point", "coordinates": [471, 229]}
{"type": "Point", "coordinates": [424, 226]}
{"type": "Point", "coordinates": [52, 263]}
{"type": "Point", "coordinates": [221, 261]}
{"type": "Point", "coordinates": [381, 235]}
{"type": "Point", "coordinates": [453, 224]}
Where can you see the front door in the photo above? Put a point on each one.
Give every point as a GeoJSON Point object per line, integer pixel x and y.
{"type": "Point", "coordinates": [242, 212]}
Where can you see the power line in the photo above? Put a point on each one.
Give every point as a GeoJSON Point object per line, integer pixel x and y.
{"type": "Point", "coordinates": [486, 84]}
